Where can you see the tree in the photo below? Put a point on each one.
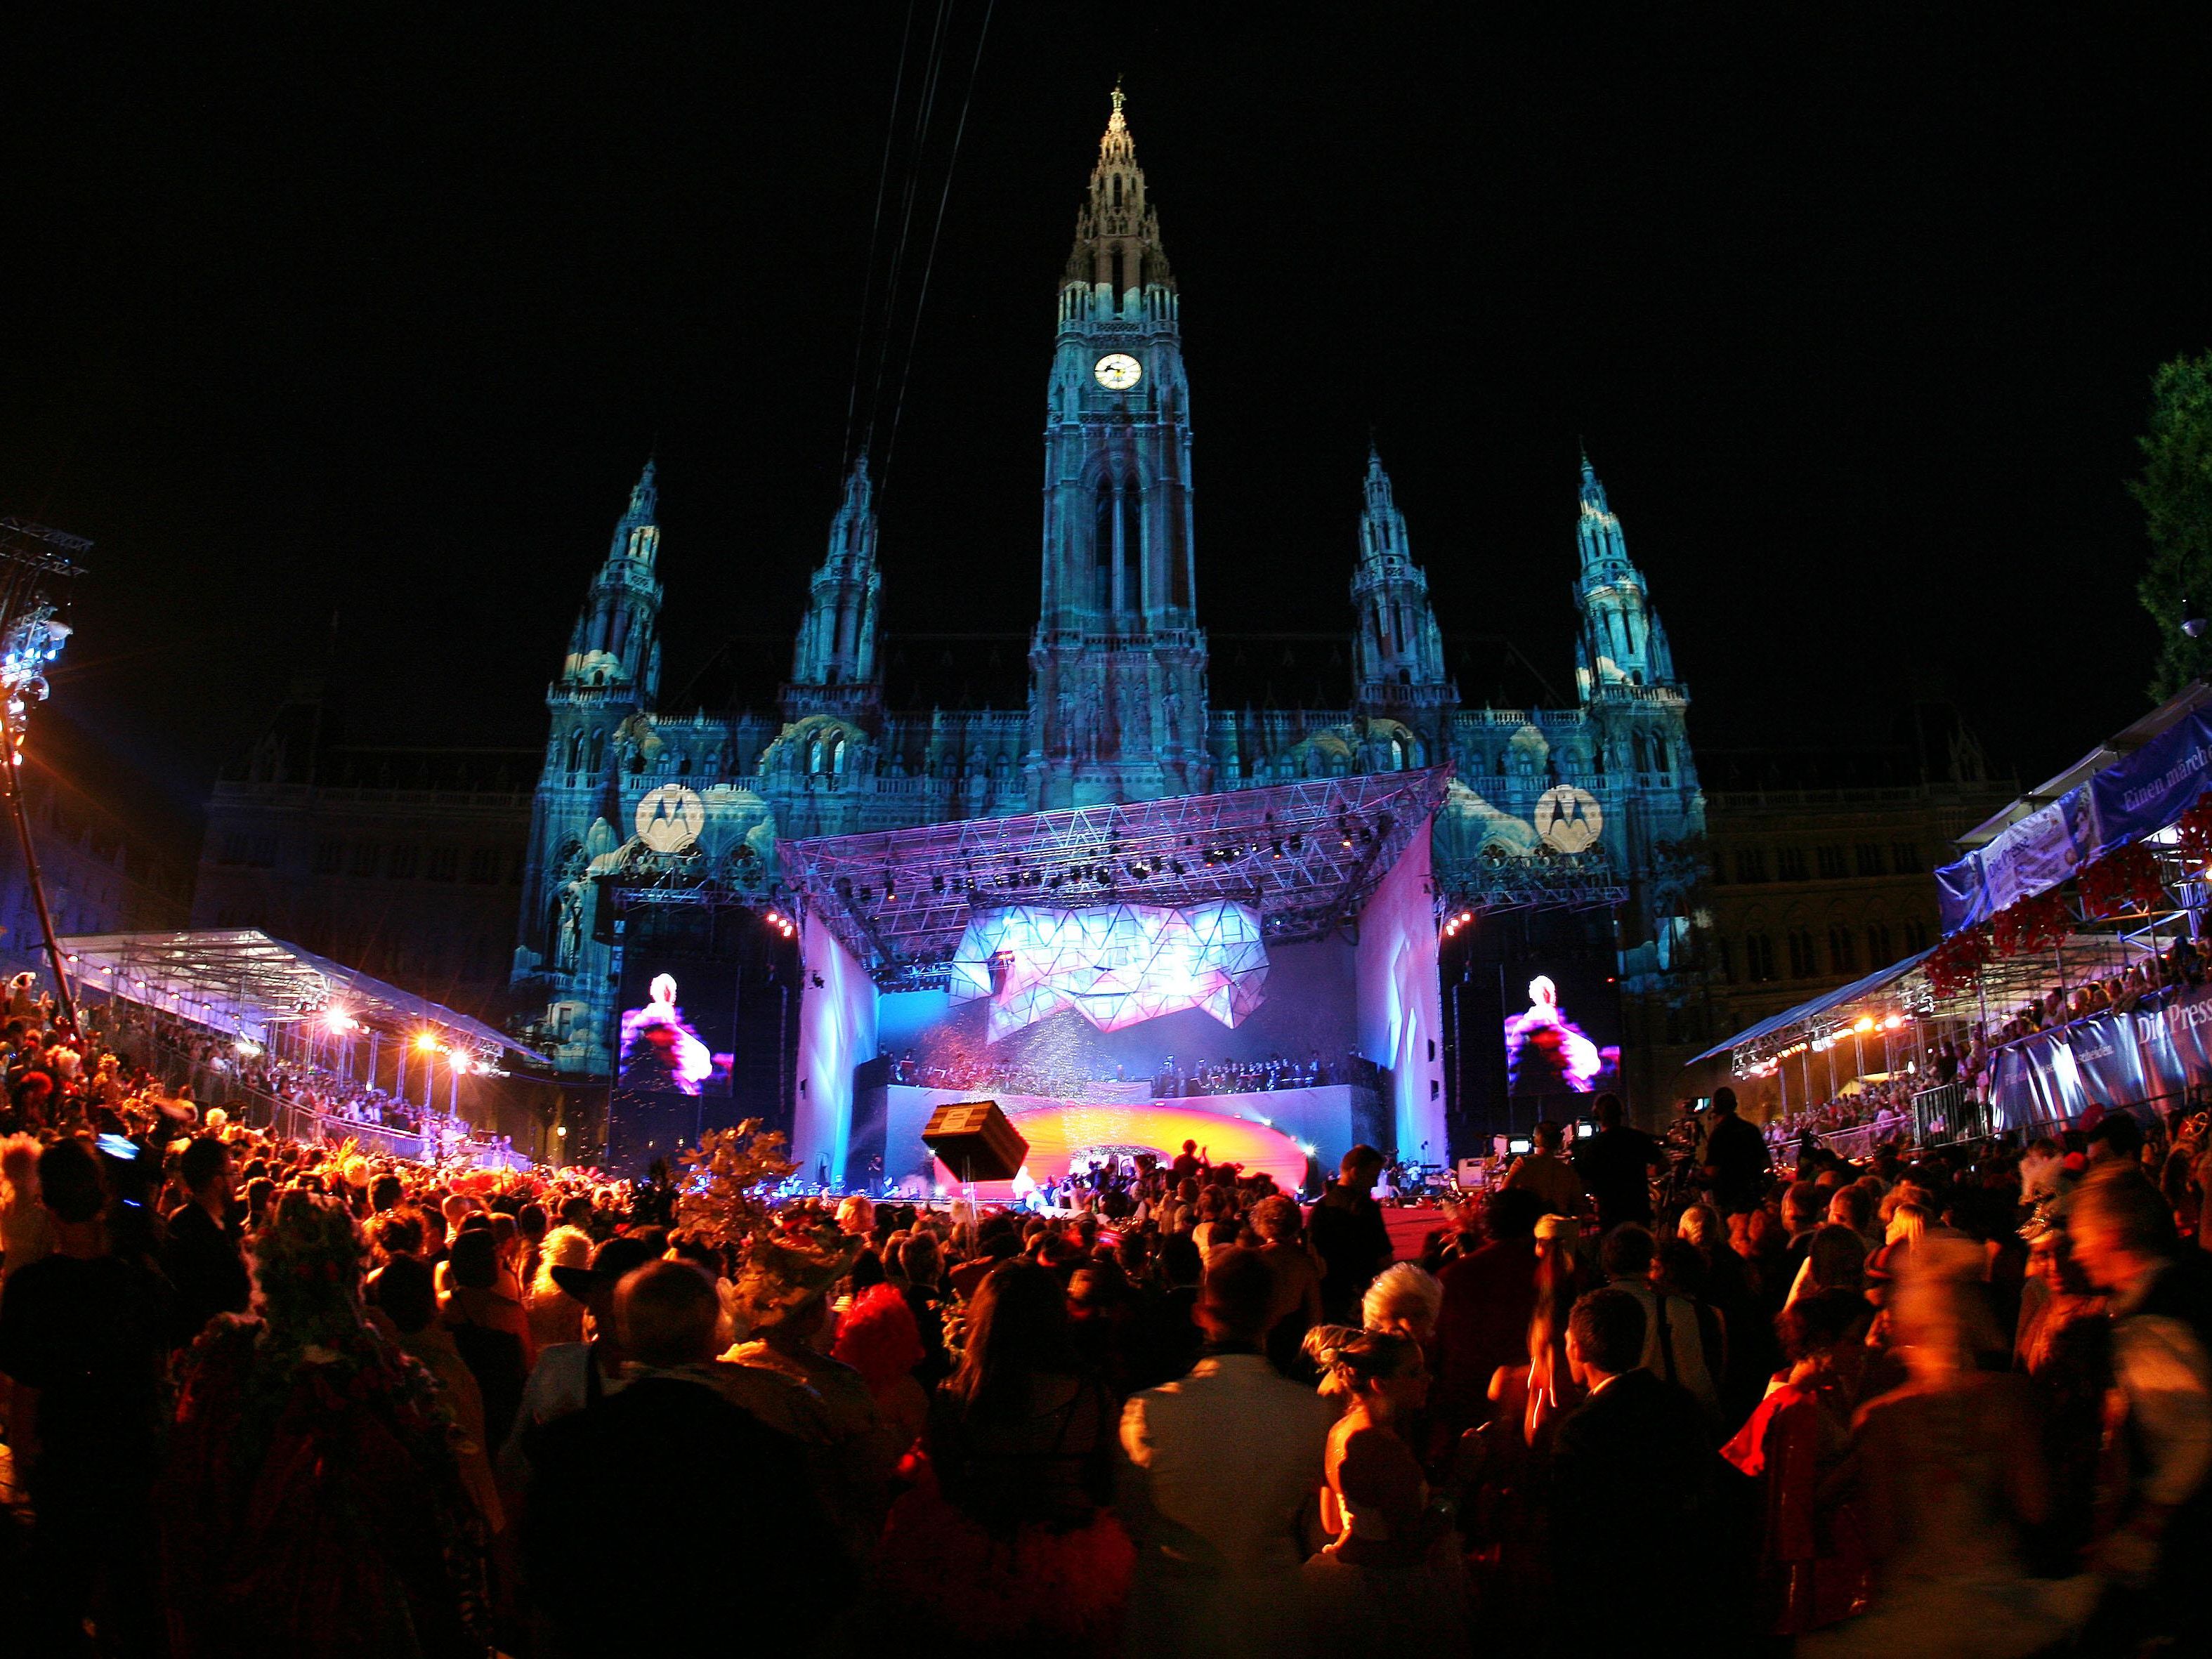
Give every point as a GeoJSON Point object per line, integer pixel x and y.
{"type": "Point", "coordinates": [2175, 493]}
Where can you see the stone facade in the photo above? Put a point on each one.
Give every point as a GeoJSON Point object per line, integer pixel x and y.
{"type": "Point", "coordinates": [1600, 797]}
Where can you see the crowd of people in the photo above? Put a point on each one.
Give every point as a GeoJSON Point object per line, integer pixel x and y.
{"type": "Point", "coordinates": [1060, 1075]}
{"type": "Point", "coordinates": [234, 1068]}
{"type": "Point", "coordinates": [1885, 1108]}
{"type": "Point", "coordinates": [274, 1398]}
{"type": "Point", "coordinates": [2180, 965]}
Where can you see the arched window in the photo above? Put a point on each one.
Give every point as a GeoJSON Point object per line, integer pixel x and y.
{"type": "Point", "coordinates": [1133, 551]}
{"type": "Point", "coordinates": [599, 752]}
{"type": "Point", "coordinates": [814, 755]}
{"type": "Point", "coordinates": [1397, 756]}
{"type": "Point", "coordinates": [1102, 543]}
{"type": "Point", "coordinates": [576, 754]}
{"type": "Point", "coordinates": [837, 758]}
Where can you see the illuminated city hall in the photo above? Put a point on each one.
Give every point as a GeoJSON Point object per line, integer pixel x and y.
{"type": "Point", "coordinates": [1117, 897]}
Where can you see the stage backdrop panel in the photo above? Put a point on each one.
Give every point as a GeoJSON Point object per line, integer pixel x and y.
{"type": "Point", "coordinates": [836, 1033]}
{"type": "Point", "coordinates": [1401, 1007]}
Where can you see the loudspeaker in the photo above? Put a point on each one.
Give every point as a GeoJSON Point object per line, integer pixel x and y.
{"type": "Point", "coordinates": [975, 1141]}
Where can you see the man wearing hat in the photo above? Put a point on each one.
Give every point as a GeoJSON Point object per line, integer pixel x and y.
{"type": "Point", "coordinates": [571, 1375]}
{"type": "Point", "coordinates": [782, 1310]}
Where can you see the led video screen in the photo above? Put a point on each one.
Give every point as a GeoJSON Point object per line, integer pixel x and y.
{"type": "Point", "coordinates": [677, 1023]}
{"type": "Point", "coordinates": [1562, 1028]}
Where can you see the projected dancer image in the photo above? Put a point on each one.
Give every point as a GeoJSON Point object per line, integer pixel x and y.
{"type": "Point", "coordinates": [660, 1049]}
{"type": "Point", "coordinates": [1546, 1053]}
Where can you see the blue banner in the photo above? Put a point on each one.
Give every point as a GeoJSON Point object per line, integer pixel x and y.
{"type": "Point", "coordinates": [2108, 1058]}
{"type": "Point", "coordinates": [1962, 898]}
{"type": "Point", "coordinates": [2136, 796]}
{"type": "Point", "coordinates": [2151, 788]}
{"type": "Point", "coordinates": [2190, 1025]}
{"type": "Point", "coordinates": [2163, 1071]}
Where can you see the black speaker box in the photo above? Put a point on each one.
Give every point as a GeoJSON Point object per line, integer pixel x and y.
{"type": "Point", "coordinates": [975, 1141]}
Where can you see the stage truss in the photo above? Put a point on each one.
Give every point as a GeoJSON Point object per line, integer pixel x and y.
{"type": "Point", "coordinates": [1306, 856]}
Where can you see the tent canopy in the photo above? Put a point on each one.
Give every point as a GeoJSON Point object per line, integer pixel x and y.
{"type": "Point", "coordinates": [240, 980]}
{"type": "Point", "coordinates": [1826, 1002]}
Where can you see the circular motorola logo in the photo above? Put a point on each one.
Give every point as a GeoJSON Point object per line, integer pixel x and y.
{"type": "Point", "coordinates": [1569, 819]}
{"type": "Point", "coordinates": [670, 818]}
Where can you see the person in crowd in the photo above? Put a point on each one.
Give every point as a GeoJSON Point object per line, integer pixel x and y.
{"type": "Point", "coordinates": [1549, 1176]}
{"type": "Point", "coordinates": [1674, 1349]}
{"type": "Point", "coordinates": [1218, 1468]}
{"type": "Point", "coordinates": [2160, 1502]}
{"type": "Point", "coordinates": [731, 1494]}
{"type": "Point", "coordinates": [879, 1338]}
{"type": "Point", "coordinates": [1483, 1323]}
{"type": "Point", "coordinates": [312, 1500]}
{"type": "Point", "coordinates": [573, 1376]}
{"type": "Point", "coordinates": [401, 1299]}
{"type": "Point", "coordinates": [1803, 1205]}
{"type": "Point", "coordinates": [1013, 1540]}
{"type": "Point", "coordinates": [556, 1316]}
{"type": "Point", "coordinates": [1736, 1159]}
{"type": "Point", "coordinates": [1298, 1281]}
{"type": "Point", "coordinates": [1404, 1300]}
{"type": "Point", "coordinates": [1615, 1166]}
{"type": "Point", "coordinates": [1813, 1565]}
{"type": "Point", "coordinates": [782, 1312]}
{"type": "Point", "coordinates": [1631, 1465]}
{"type": "Point", "coordinates": [1349, 1234]}
{"type": "Point", "coordinates": [1944, 1470]}
{"type": "Point", "coordinates": [83, 1335]}
{"type": "Point", "coordinates": [1391, 1579]}
{"type": "Point", "coordinates": [201, 1256]}
{"type": "Point", "coordinates": [491, 1330]}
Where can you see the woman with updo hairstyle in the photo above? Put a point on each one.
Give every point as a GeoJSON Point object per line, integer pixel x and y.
{"type": "Point", "coordinates": [313, 1501]}
{"type": "Point", "coordinates": [1390, 1579]}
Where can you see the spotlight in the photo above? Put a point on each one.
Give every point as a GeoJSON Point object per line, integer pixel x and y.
{"type": "Point", "coordinates": [2191, 623]}
{"type": "Point", "coordinates": [1278, 847]}
{"type": "Point", "coordinates": [426, 1042]}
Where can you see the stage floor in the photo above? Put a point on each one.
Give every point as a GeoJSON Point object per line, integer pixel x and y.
{"type": "Point", "coordinates": [1276, 1130]}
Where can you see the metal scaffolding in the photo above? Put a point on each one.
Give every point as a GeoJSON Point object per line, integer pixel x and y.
{"type": "Point", "coordinates": [1306, 856]}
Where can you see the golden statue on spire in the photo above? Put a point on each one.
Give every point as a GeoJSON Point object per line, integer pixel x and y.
{"type": "Point", "coordinates": [1114, 122]}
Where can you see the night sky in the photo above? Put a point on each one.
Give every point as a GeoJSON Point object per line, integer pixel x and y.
{"type": "Point", "coordinates": [1856, 308]}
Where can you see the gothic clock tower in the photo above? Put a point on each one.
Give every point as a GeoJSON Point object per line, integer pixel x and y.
{"type": "Point", "coordinates": [1117, 666]}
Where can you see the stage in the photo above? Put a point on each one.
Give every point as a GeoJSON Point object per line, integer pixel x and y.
{"type": "Point", "coordinates": [1284, 932]}
{"type": "Point", "coordinates": [1276, 1130]}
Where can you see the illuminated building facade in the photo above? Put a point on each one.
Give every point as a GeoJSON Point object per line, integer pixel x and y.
{"type": "Point", "coordinates": [1594, 805]}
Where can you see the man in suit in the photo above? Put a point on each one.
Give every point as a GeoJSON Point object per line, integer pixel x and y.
{"type": "Point", "coordinates": [1616, 1163]}
{"type": "Point", "coordinates": [202, 1256]}
{"type": "Point", "coordinates": [1736, 1159]}
{"type": "Point", "coordinates": [642, 1506]}
{"type": "Point", "coordinates": [1632, 1474]}
{"type": "Point", "coordinates": [1216, 1469]}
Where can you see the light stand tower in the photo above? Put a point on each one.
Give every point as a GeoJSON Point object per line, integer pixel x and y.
{"type": "Point", "coordinates": [31, 637]}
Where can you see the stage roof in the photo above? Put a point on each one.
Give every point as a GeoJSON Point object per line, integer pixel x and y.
{"type": "Point", "coordinates": [240, 980]}
{"type": "Point", "coordinates": [1305, 855]}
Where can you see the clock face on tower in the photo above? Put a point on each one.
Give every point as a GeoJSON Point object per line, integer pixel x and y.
{"type": "Point", "coordinates": [1118, 371]}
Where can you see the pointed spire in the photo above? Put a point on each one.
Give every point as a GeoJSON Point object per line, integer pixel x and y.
{"type": "Point", "coordinates": [1383, 527]}
{"type": "Point", "coordinates": [1593, 489]}
{"type": "Point", "coordinates": [637, 532]}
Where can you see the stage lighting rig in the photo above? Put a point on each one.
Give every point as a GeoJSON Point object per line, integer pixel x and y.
{"type": "Point", "coordinates": [32, 635]}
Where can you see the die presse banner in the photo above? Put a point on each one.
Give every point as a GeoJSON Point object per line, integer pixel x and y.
{"type": "Point", "coordinates": [2113, 1059]}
